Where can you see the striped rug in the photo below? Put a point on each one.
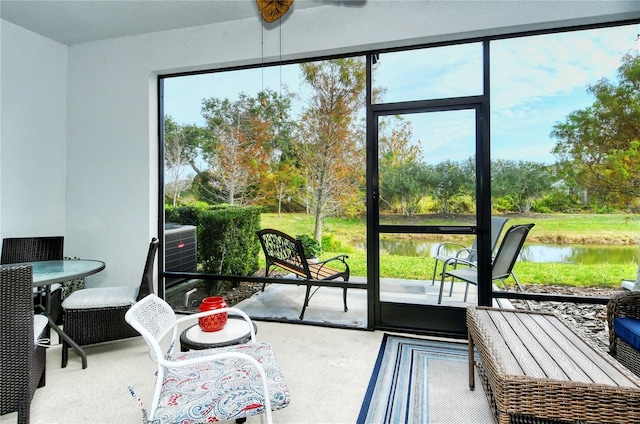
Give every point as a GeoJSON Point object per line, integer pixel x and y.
{"type": "Point", "coordinates": [422, 381]}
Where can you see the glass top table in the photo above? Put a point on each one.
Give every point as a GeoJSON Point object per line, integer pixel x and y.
{"type": "Point", "coordinates": [50, 272]}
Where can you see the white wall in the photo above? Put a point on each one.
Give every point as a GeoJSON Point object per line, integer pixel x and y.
{"type": "Point", "coordinates": [33, 134]}
{"type": "Point", "coordinates": [111, 205]}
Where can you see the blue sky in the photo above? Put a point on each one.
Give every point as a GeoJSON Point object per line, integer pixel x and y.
{"type": "Point", "coordinates": [536, 82]}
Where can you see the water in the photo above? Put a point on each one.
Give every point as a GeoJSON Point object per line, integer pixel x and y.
{"type": "Point", "coordinates": [570, 254]}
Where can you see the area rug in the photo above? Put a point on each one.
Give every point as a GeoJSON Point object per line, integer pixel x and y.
{"type": "Point", "coordinates": [422, 381]}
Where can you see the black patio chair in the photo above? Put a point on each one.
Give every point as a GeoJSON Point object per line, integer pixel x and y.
{"type": "Point", "coordinates": [22, 361]}
{"type": "Point", "coordinates": [33, 249]}
{"type": "Point", "coordinates": [96, 315]}
{"type": "Point", "coordinates": [501, 267]}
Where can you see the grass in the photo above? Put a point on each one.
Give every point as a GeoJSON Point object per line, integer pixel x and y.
{"type": "Point", "coordinates": [559, 229]}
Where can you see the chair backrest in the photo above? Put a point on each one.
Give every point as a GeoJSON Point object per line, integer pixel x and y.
{"type": "Point", "coordinates": [16, 338]}
{"type": "Point", "coordinates": [31, 249]}
{"type": "Point", "coordinates": [146, 286]}
{"type": "Point", "coordinates": [152, 317]}
{"type": "Point", "coordinates": [509, 250]}
{"type": "Point", "coordinates": [283, 250]}
{"type": "Point", "coordinates": [497, 224]}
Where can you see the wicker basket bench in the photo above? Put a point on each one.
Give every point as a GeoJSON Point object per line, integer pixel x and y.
{"type": "Point", "coordinates": [535, 369]}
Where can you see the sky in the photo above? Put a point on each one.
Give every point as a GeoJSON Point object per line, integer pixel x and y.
{"type": "Point", "coordinates": [536, 82]}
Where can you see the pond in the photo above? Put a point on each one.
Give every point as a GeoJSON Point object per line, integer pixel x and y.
{"type": "Point", "coordinates": [531, 252]}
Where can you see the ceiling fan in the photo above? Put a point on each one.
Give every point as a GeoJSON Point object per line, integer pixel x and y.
{"type": "Point", "coordinates": [272, 10]}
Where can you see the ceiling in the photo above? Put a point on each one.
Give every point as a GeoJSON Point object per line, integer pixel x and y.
{"type": "Point", "coordinates": [76, 22]}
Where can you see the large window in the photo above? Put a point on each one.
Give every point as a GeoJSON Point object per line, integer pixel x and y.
{"type": "Point", "coordinates": [268, 136]}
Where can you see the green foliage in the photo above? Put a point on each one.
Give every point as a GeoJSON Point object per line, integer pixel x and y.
{"type": "Point", "coordinates": [404, 184]}
{"type": "Point", "coordinates": [311, 247]}
{"type": "Point", "coordinates": [448, 179]}
{"type": "Point", "coordinates": [557, 201]}
{"type": "Point", "coordinates": [227, 243]}
{"type": "Point", "coordinates": [185, 215]}
{"type": "Point", "coordinates": [522, 181]}
{"type": "Point", "coordinates": [599, 147]}
{"type": "Point", "coordinates": [332, 244]}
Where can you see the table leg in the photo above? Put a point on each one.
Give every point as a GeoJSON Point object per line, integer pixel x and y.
{"type": "Point", "coordinates": [472, 382]}
{"type": "Point", "coordinates": [62, 334]}
{"type": "Point", "coordinates": [69, 340]}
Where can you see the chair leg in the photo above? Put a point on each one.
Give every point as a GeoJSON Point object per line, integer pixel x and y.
{"type": "Point", "coordinates": [441, 287]}
{"type": "Point", "coordinates": [466, 291]}
{"type": "Point", "coordinates": [435, 269]}
{"type": "Point", "coordinates": [65, 354]}
{"type": "Point", "coordinates": [306, 301]}
{"type": "Point", "coordinates": [344, 298]}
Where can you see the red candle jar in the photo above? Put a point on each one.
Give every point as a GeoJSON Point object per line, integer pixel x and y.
{"type": "Point", "coordinates": [213, 322]}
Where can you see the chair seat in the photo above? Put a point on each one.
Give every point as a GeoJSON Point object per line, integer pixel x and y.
{"type": "Point", "coordinates": [466, 274]}
{"type": "Point", "coordinates": [40, 322]}
{"type": "Point", "coordinates": [102, 297]}
{"type": "Point", "coordinates": [210, 393]}
{"type": "Point", "coordinates": [628, 329]}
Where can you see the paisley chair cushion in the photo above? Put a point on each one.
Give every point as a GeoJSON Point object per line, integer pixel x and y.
{"type": "Point", "coordinates": [222, 390]}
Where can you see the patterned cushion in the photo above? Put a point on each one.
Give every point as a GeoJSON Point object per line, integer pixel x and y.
{"type": "Point", "coordinates": [70, 286]}
{"type": "Point", "coordinates": [210, 393]}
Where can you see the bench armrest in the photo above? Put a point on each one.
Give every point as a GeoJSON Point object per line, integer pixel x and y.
{"type": "Point", "coordinates": [341, 258]}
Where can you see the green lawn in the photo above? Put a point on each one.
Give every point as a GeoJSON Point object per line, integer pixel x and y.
{"type": "Point", "coordinates": [569, 229]}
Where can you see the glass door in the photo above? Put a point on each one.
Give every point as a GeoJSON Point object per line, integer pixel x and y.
{"type": "Point", "coordinates": [423, 194]}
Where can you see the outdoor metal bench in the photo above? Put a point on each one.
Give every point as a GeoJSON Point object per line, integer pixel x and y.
{"type": "Point", "coordinates": [283, 251]}
{"type": "Point", "coordinates": [535, 369]}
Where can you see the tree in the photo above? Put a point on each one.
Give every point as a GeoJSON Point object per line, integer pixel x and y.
{"type": "Point", "coordinates": [405, 184]}
{"type": "Point", "coordinates": [523, 181]}
{"type": "Point", "coordinates": [328, 143]}
{"type": "Point", "coordinates": [449, 179]}
{"type": "Point", "coordinates": [403, 176]}
{"type": "Point", "coordinates": [243, 137]}
{"type": "Point", "coordinates": [176, 159]}
{"type": "Point", "coordinates": [599, 147]}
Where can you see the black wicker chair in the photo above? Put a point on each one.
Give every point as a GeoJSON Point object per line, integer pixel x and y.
{"type": "Point", "coordinates": [31, 249]}
{"type": "Point", "coordinates": [96, 315]}
{"type": "Point", "coordinates": [22, 362]}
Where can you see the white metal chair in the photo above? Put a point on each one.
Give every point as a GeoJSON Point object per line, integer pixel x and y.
{"type": "Point", "coordinates": [206, 385]}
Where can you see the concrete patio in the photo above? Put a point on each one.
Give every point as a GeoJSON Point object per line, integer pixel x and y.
{"type": "Point", "coordinates": [327, 369]}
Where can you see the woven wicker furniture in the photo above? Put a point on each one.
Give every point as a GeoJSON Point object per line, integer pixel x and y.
{"type": "Point", "coordinates": [34, 249]}
{"type": "Point", "coordinates": [623, 305]}
{"type": "Point", "coordinates": [22, 362]}
{"type": "Point", "coordinates": [535, 369]}
{"type": "Point", "coordinates": [211, 385]}
{"type": "Point", "coordinates": [96, 315]}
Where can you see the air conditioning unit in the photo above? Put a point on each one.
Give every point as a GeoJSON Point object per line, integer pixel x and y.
{"type": "Point", "coordinates": [180, 250]}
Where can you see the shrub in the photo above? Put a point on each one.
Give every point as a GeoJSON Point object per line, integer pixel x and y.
{"type": "Point", "coordinates": [311, 247]}
{"type": "Point", "coordinates": [226, 236]}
